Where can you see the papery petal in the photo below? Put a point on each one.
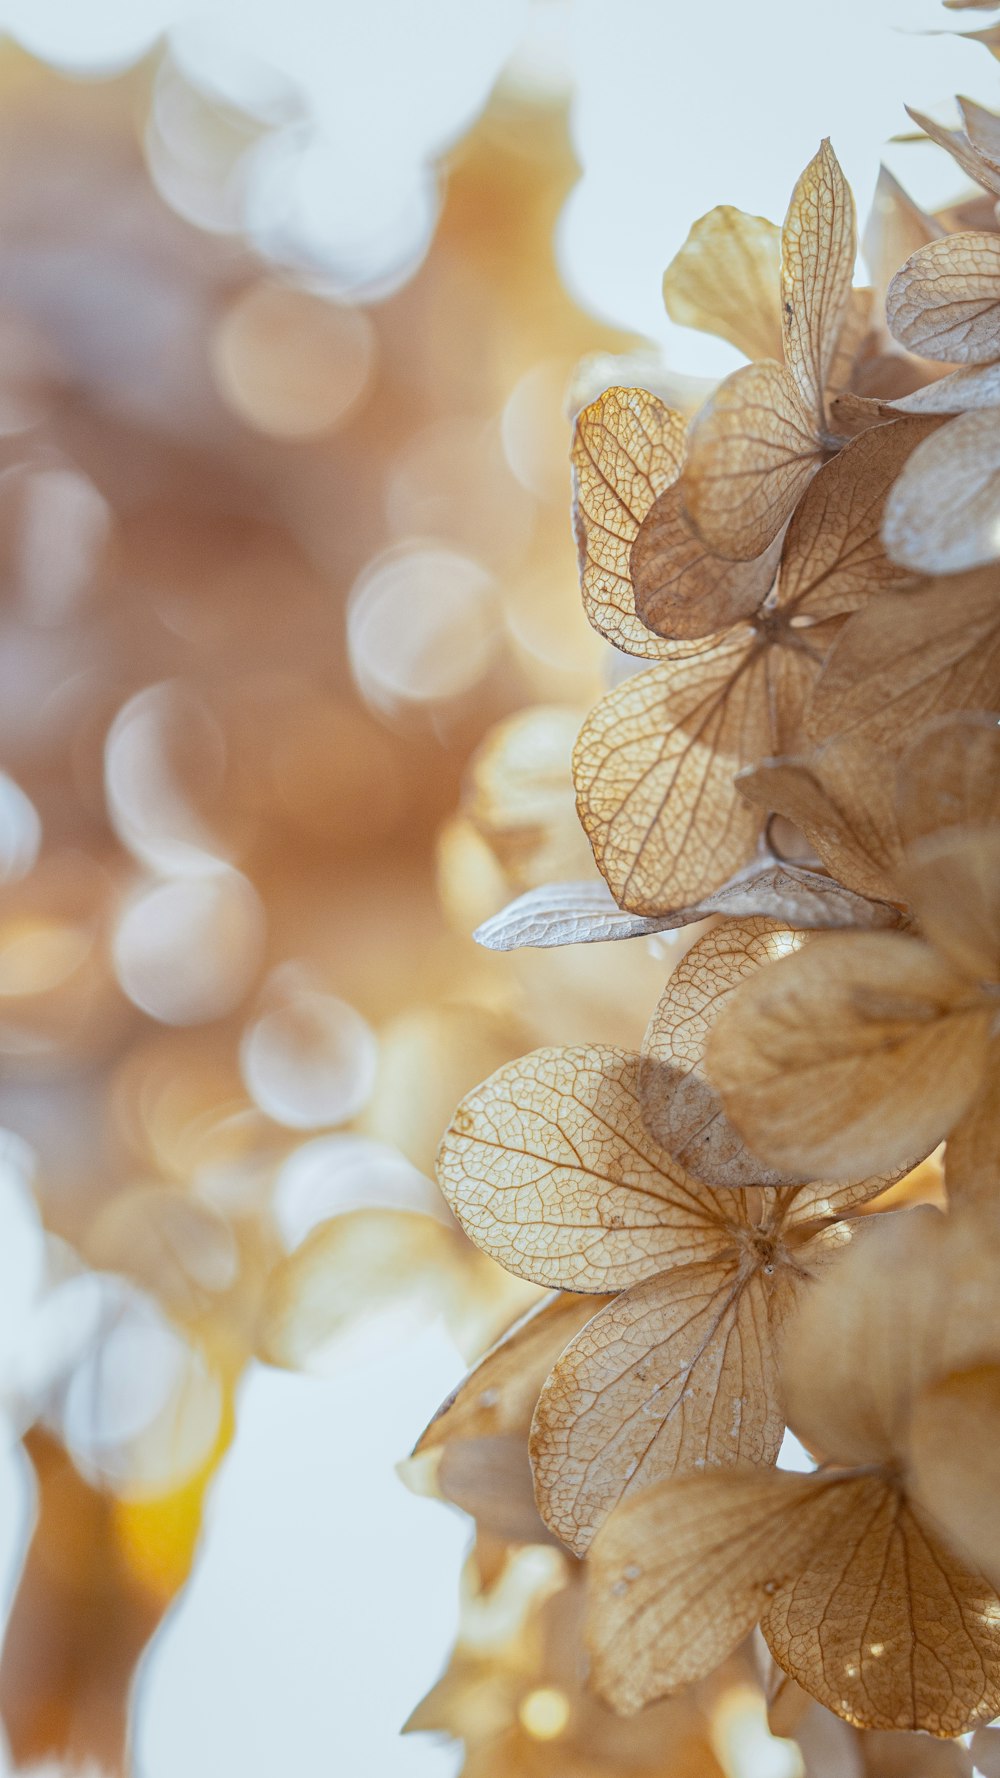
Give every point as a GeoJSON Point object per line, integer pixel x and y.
{"type": "Point", "coordinates": [975, 386]}
{"type": "Point", "coordinates": [960, 148]}
{"type": "Point", "coordinates": [726, 280]}
{"type": "Point", "coordinates": [818, 247]}
{"type": "Point", "coordinates": [752, 452]}
{"type": "Point", "coordinates": [954, 1460]}
{"type": "Point", "coordinates": [680, 589]}
{"type": "Point", "coordinates": [972, 1151]}
{"type": "Point", "coordinates": [679, 1373]}
{"type": "Point", "coordinates": [942, 514]}
{"type": "Point", "coordinates": [853, 1057]}
{"type": "Point", "coordinates": [680, 1106]}
{"type": "Point", "coordinates": [909, 657]}
{"type": "Point", "coordinates": [885, 1624]}
{"type": "Point", "coordinates": [951, 880]}
{"type": "Point", "coordinates": [833, 559]}
{"type": "Point", "coordinates": [550, 1170]}
{"type": "Point", "coordinates": [950, 776]}
{"type": "Point", "coordinates": [841, 798]}
{"type": "Point", "coordinates": [627, 448]}
{"type": "Point", "coordinates": [944, 303]}
{"type": "Point", "coordinates": [896, 227]}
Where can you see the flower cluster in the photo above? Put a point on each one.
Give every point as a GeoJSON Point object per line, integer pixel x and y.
{"type": "Point", "coordinates": [807, 756]}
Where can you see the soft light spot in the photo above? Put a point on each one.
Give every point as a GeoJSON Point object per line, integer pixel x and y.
{"type": "Point", "coordinates": [544, 1713]}
{"type": "Point", "coordinates": [422, 627]}
{"type": "Point", "coordinates": [187, 951]}
{"type": "Point", "coordinates": [310, 1061]}
{"type": "Point", "coordinates": [293, 363]}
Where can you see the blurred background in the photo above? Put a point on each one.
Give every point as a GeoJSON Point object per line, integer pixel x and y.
{"type": "Point", "coordinates": [296, 301]}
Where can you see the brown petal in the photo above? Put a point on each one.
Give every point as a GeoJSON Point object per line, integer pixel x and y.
{"type": "Point", "coordinates": [475, 1450]}
{"type": "Point", "coordinates": [853, 340]}
{"type": "Point", "coordinates": [975, 386]}
{"type": "Point", "coordinates": [854, 1056]}
{"type": "Point", "coordinates": [499, 1394]}
{"type": "Point", "coordinates": [818, 247]}
{"type": "Point", "coordinates": [941, 516]}
{"type": "Point", "coordinates": [725, 280]}
{"type": "Point", "coordinates": [944, 303]}
{"type": "Point", "coordinates": [960, 148]}
{"type": "Point", "coordinates": [680, 589]}
{"type": "Point", "coordinates": [627, 448]}
{"type": "Point", "coordinates": [911, 1300]}
{"type": "Point", "coordinates": [655, 761]}
{"type": "Point", "coordinates": [908, 657]}
{"type": "Point", "coordinates": [833, 558]}
{"type": "Point", "coordinates": [678, 1373]}
{"type": "Point", "coordinates": [752, 452]}
{"type": "Point", "coordinates": [841, 798]}
{"type": "Point", "coordinates": [549, 1169]}
{"type": "Point", "coordinates": [954, 1461]}
{"type": "Point", "coordinates": [952, 882]}
{"type": "Point", "coordinates": [681, 1572]}
{"type": "Point", "coordinates": [950, 776]}
{"type": "Point", "coordinates": [983, 130]}
{"type": "Point", "coordinates": [680, 1106]}
{"type": "Point", "coordinates": [896, 227]}
{"type": "Point", "coordinates": [885, 1624]}
{"type": "Point", "coordinates": [972, 1151]}
{"type": "Point", "coordinates": [654, 768]}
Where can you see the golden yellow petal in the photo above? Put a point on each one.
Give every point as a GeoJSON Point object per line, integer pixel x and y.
{"type": "Point", "coordinates": [680, 589]}
{"type": "Point", "coordinates": [725, 280]}
{"type": "Point", "coordinates": [972, 1151]}
{"type": "Point", "coordinates": [885, 1624]}
{"type": "Point", "coordinates": [854, 1056]}
{"type": "Point", "coordinates": [908, 657]}
{"type": "Point", "coordinates": [944, 303]}
{"type": "Point", "coordinates": [627, 448]}
{"type": "Point", "coordinates": [550, 1170]}
{"type": "Point", "coordinates": [833, 557]}
{"type": "Point", "coordinates": [841, 798]}
{"type": "Point", "coordinates": [682, 1571]}
{"type": "Point", "coordinates": [680, 1107]}
{"type": "Point", "coordinates": [677, 1374]}
{"type": "Point", "coordinates": [818, 247]}
{"type": "Point", "coordinates": [951, 880]}
{"type": "Point", "coordinates": [954, 1460]}
{"type": "Point", "coordinates": [941, 516]}
{"type": "Point", "coordinates": [752, 452]}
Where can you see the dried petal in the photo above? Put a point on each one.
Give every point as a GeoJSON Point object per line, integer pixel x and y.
{"type": "Point", "coordinates": [960, 148]}
{"type": "Point", "coordinates": [855, 1055]}
{"type": "Point", "coordinates": [952, 882]}
{"type": "Point", "coordinates": [818, 247]}
{"type": "Point", "coordinates": [681, 1572]}
{"type": "Point", "coordinates": [972, 1151]}
{"type": "Point", "coordinates": [475, 1450]}
{"type": "Point", "coordinates": [752, 452]}
{"type": "Point", "coordinates": [908, 657]}
{"type": "Point", "coordinates": [725, 280]}
{"type": "Point", "coordinates": [976, 386]}
{"type": "Point", "coordinates": [886, 1625]}
{"type": "Point", "coordinates": [941, 516]}
{"type": "Point", "coordinates": [842, 800]}
{"type": "Point", "coordinates": [676, 1374]}
{"type": "Point", "coordinates": [833, 559]}
{"type": "Point", "coordinates": [896, 227]}
{"type": "Point", "coordinates": [627, 448]}
{"type": "Point", "coordinates": [680, 1106]}
{"type": "Point", "coordinates": [587, 913]}
{"type": "Point", "coordinates": [944, 303]}
{"type": "Point", "coordinates": [683, 591]}
{"type": "Point", "coordinates": [983, 130]}
{"type": "Point", "coordinates": [954, 1451]}
{"type": "Point", "coordinates": [655, 761]}
{"type": "Point", "coordinates": [853, 338]}
{"type": "Point", "coordinates": [549, 1169]}
{"type": "Point", "coordinates": [950, 777]}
